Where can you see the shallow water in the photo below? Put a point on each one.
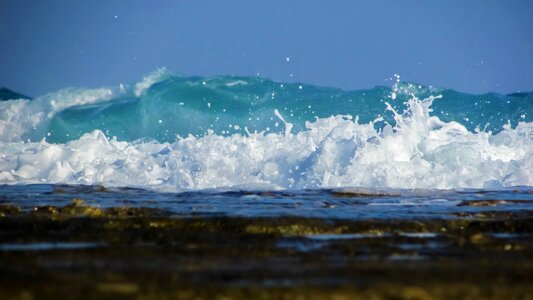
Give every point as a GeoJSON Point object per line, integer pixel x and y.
{"type": "Point", "coordinates": [353, 243]}
{"type": "Point", "coordinates": [46, 246]}
{"type": "Point", "coordinates": [350, 204]}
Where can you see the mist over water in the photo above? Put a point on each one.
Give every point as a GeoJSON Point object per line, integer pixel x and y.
{"type": "Point", "coordinates": [170, 132]}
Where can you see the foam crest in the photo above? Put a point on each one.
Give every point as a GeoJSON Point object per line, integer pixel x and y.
{"type": "Point", "coordinates": [154, 77]}
{"type": "Point", "coordinates": [418, 151]}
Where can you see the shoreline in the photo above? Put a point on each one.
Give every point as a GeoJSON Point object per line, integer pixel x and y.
{"type": "Point", "coordinates": [146, 253]}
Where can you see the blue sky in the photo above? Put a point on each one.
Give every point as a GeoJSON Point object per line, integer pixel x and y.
{"type": "Point", "coordinates": [471, 46]}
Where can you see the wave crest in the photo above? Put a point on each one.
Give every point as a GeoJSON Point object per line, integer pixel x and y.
{"type": "Point", "coordinates": [163, 106]}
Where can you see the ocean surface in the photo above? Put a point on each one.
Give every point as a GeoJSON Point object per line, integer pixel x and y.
{"type": "Point", "coordinates": [170, 133]}
{"type": "Point", "coordinates": [356, 204]}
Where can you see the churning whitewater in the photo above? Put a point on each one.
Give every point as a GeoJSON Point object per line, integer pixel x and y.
{"type": "Point", "coordinates": [175, 133]}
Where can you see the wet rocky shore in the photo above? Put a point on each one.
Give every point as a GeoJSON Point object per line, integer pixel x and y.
{"type": "Point", "coordinates": [79, 250]}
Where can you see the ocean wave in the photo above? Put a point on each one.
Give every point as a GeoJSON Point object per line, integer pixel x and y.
{"type": "Point", "coordinates": [163, 106]}
{"type": "Point", "coordinates": [175, 133]}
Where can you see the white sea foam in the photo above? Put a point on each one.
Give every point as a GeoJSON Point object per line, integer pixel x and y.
{"type": "Point", "coordinates": [420, 151]}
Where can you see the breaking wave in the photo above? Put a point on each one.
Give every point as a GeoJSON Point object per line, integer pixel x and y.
{"type": "Point", "coordinates": [175, 133]}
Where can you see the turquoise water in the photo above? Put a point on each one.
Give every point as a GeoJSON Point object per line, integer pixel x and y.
{"type": "Point", "coordinates": [178, 105]}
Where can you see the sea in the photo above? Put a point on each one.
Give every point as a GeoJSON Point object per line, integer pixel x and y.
{"type": "Point", "coordinates": [236, 145]}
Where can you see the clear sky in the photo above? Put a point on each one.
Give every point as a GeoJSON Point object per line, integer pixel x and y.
{"type": "Point", "coordinates": [472, 46]}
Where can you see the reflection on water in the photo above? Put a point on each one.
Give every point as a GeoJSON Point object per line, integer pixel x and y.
{"type": "Point", "coordinates": [46, 246]}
